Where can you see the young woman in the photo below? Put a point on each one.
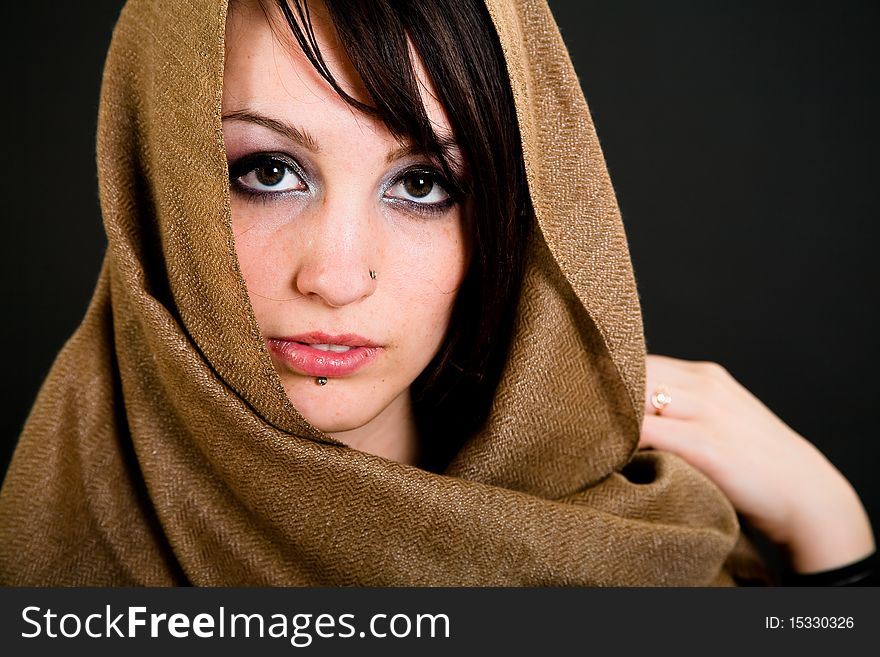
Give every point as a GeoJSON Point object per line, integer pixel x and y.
{"type": "Point", "coordinates": [367, 317]}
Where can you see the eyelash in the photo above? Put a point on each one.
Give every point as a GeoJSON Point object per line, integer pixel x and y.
{"type": "Point", "coordinates": [250, 163]}
{"type": "Point", "coordinates": [435, 208]}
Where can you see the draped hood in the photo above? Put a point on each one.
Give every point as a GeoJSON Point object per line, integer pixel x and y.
{"type": "Point", "coordinates": [162, 448]}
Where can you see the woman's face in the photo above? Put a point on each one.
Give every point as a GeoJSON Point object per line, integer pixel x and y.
{"type": "Point", "coordinates": [322, 196]}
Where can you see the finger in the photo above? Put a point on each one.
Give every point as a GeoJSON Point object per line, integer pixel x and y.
{"type": "Point", "coordinates": [678, 382]}
{"type": "Point", "coordinates": [665, 395]}
{"type": "Point", "coordinates": [680, 437]}
{"type": "Point", "coordinates": [659, 395]}
{"type": "Point", "coordinates": [663, 376]}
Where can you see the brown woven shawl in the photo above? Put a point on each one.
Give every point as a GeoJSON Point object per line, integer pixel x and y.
{"type": "Point", "coordinates": [162, 448]}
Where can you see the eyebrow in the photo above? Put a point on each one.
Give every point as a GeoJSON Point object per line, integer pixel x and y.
{"type": "Point", "coordinates": [287, 130]}
{"type": "Point", "coordinates": [448, 146]}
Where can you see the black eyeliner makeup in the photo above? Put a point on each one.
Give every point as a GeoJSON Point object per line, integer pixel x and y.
{"type": "Point", "coordinates": [251, 162]}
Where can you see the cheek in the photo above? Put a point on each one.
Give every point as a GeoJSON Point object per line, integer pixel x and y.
{"type": "Point", "coordinates": [431, 269]}
{"type": "Point", "coordinates": [263, 259]}
{"type": "Point", "coordinates": [451, 263]}
{"type": "Point", "coordinates": [247, 249]}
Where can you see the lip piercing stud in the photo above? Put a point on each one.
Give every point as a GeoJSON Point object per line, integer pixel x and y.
{"type": "Point", "coordinates": [321, 380]}
{"type": "Point", "coordinates": [373, 274]}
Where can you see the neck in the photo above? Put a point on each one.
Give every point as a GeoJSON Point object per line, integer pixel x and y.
{"type": "Point", "coordinates": [391, 434]}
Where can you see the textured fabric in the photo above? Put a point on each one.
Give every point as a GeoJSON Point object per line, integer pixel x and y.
{"type": "Point", "coordinates": [162, 448]}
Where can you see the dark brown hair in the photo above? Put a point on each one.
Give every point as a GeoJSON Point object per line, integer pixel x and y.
{"type": "Point", "coordinates": [458, 46]}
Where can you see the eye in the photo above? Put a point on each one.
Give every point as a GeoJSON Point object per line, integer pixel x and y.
{"type": "Point", "coordinates": [264, 173]}
{"type": "Point", "coordinates": [417, 186]}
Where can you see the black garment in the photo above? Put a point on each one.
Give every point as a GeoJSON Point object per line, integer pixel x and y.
{"type": "Point", "coordinates": [860, 573]}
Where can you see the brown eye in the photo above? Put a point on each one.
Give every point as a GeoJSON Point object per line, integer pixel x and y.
{"type": "Point", "coordinates": [264, 174]}
{"type": "Point", "coordinates": [418, 185]}
{"type": "Point", "coordinates": [270, 173]}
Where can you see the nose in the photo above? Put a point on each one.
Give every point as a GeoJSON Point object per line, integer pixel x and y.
{"type": "Point", "coordinates": [340, 243]}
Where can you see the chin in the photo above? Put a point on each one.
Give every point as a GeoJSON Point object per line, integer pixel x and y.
{"type": "Point", "coordinates": [337, 407]}
{"type": "Point", "coordinates": [330, 423]}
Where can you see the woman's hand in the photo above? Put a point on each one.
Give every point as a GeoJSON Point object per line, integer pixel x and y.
{"type": "Point", "coordinates": [775, 478]}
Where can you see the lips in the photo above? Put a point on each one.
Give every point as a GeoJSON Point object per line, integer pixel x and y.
{"type": "Point", "coordinates": [321, 354]}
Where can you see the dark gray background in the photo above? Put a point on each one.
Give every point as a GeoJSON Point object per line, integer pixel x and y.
{"type": "Point", "coordinates": [482, 621]}
{"type": "Point", "coordinates": [741, 138]}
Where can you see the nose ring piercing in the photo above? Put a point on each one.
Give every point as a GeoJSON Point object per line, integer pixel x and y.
{"type": "Point", "coordinates": [321, 380]}
{"type": "Point", "coordinates": [373, 274]}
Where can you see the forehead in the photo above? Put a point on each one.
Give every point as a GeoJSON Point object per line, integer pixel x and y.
{"type": "Point", "coordinates": [266, 71]}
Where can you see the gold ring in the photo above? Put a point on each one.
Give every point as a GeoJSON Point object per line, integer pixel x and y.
{"type": "Point", "coordinates": [661, 399]}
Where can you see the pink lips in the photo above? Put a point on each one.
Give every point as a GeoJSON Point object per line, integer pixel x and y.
{"type": "Point", "coordinates": [299, 354]}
